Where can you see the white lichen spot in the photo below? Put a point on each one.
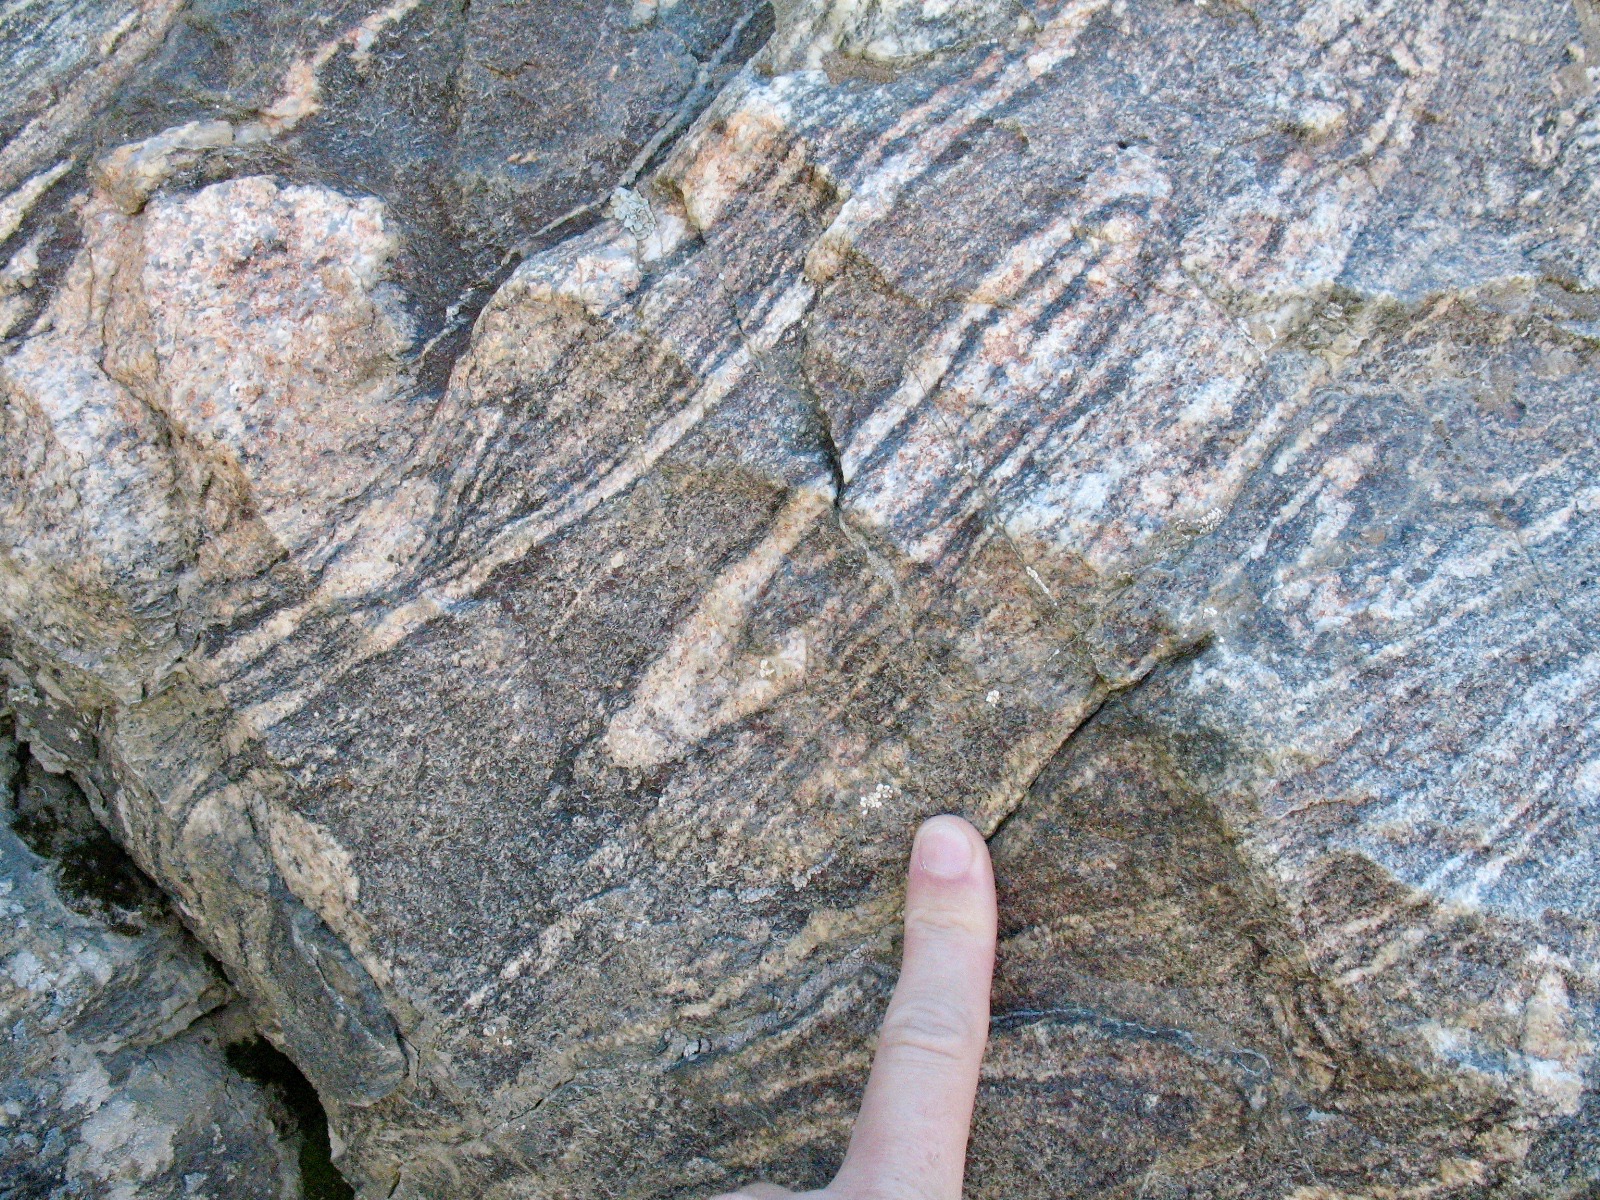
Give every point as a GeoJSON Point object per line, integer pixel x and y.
{"type": "Point", "coordinates": [875, 799]}
{"type": "Point", "coordinates": [632, 211]}
{"type": "Point", "coordinates": [645, 11]}
{"type": "Point", "coordinates": [993, 698]}
{"type": "Point", "coordinates": [89, 1087]}
{"type": "Point", "coordinates": [28, 973]}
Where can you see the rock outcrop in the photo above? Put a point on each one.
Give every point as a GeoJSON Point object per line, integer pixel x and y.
{"type": "Point", "coordinates": [114, 1071]}
{"type": "Point", "coordinates": [510, 513]}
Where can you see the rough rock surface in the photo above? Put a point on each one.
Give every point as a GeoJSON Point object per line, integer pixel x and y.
{"type": "Point", "coordinates": [113, 1073]}
{"type": "Point", "coordinates": [511, 512]}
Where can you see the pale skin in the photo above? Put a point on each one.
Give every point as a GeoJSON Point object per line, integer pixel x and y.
{"type": "Point", "coordinates": [910, 1137]}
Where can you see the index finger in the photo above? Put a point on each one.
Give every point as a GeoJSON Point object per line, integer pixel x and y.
{"type": "Point", "coordinates": [910, 1139]}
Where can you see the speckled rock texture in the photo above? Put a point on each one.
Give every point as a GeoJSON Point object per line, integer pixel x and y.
{"type": "Point", "coordinates": [511, 512]}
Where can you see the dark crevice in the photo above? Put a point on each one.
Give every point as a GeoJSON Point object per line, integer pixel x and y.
{"type": "Point", "coordinates": [437, 358]}
{"type": "Point", "coordinates": [96, 878]}
{"type": "Point", "coordinates": [1252, 1064]}
{"type": "Point", "coordinates": [826, 439]}
{"type": "Point", "coordinates": [797, 381]}
{"type": "Point", "coordinates": [11, 760]}
{"type": "Point", "coordinates": [304, 1119]}
{"type": "Point", "coordinates": [746, 37]}
{"type": "Point", "coordinates": [1179, 656]}
{"type": "Point", "coordinates": [1045, 764]}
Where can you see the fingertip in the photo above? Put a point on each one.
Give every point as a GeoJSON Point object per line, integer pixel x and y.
{"type": "Point", "coordinates": [946, 848]}
{"type": "Point", "coordinates": [950, 884]}
{"type": "Point", "coordinates": [918, 1104]}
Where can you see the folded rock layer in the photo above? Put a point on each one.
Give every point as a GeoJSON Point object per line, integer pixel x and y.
{"type": "Point", "coordinates": [511, 513]}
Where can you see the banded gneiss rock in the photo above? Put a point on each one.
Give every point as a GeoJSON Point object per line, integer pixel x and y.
{"type": "Point", "coordinates": [512, 512]}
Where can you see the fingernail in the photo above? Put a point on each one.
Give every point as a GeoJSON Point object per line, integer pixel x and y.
{"type": "Point", "coordinates": [943, 849]}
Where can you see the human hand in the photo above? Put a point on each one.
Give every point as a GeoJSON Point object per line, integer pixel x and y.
{"type": "Point", "coordinates": [910, 1138]}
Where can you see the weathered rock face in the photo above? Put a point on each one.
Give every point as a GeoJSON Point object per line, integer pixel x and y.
{"type": "Point", "coordinates": [510, 513]}
{"type": "Point", "coordinates": [114, 1066]}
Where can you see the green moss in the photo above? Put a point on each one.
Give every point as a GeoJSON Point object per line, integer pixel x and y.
{"type": "Point", "coordinates": [260, 1060]}
{"type": "Point", "coordinates": [94, 875]}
